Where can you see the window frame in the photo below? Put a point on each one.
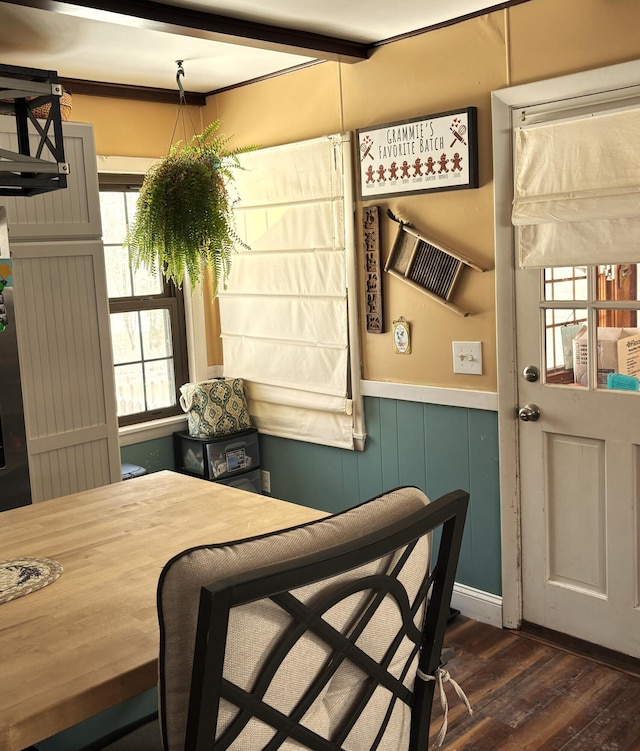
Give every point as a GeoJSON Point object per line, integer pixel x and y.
{"type": "Point", "coordinates": [171, 299]}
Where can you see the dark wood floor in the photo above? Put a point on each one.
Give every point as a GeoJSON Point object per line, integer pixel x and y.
{"type": "Point", "coordinates": [528, 696]}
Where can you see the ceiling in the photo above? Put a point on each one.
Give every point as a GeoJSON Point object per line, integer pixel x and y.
{"type": "Point", "coordinates": [223, 43]}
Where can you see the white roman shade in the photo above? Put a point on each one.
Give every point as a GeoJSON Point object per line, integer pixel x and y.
{"type": "Point", "coordinates": [577, 190]}
{"type": "Point", "coordinates": [288, 327]}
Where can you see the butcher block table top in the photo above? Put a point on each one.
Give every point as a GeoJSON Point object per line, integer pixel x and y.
{"type": "Point", "coordinates": [89, 640]}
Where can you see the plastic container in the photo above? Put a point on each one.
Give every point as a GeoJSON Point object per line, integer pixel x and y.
{"type": "Point", "coordinates": [248, 481]}
{"type": "Point", "coordinates": [132, 470]}
{"type": "Point", "coordinates": [217, 458]}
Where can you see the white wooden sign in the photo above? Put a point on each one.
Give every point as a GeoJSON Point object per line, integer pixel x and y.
{"type": "Point", "coordinates": [430, 153]}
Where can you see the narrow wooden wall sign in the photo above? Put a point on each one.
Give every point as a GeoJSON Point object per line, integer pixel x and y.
{"type": "Point", "coordinates": [373, 270]}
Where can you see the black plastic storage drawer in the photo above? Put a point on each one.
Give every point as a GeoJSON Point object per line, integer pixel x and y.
{"type": "Point", "coordinates": [217, 458]}
{"type": "Point", "coordinates": [248, 481]}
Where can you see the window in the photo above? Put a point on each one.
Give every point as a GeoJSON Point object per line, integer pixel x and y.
{"type": "Point", "coordinates": [289, 322]}
{"type": "Point", "coordinates": [146, 315]}
{"type": "Point", "coordinates": [610, 291]}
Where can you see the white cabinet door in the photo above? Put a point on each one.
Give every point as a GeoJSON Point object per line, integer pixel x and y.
{"type": "Point", "coordinates": [73, 212]}
{"type": "Point", "coordinates": [62, 323]}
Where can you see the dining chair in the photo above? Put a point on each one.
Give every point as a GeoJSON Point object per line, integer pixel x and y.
{"type": "Point", "coordinates": [324, 636]}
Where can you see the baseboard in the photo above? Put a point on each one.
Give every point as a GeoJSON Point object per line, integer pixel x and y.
{"type": "Point", "coordinates": [476, 604]}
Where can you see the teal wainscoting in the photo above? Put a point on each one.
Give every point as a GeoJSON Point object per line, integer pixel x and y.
{"type": "Point", "coordinates": [95, 731]}
{"type": "Point", "coordinates": [153, 455]}
{"type": "Point", "coordinates": [437, 448]}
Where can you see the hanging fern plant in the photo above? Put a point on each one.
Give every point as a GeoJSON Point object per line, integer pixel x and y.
{"type": "Point", "coordinates": [184, 221]}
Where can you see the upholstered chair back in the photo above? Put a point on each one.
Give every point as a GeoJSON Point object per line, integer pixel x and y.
{"type": "Point", "coordinates": [268, 652]}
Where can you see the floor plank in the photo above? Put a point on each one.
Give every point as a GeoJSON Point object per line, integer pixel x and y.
{"type": "Point", "coordinates": [531, 696]}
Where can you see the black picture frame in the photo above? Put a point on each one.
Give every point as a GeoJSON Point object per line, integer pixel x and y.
{"type": "Point", "coordinates": [426, 154]}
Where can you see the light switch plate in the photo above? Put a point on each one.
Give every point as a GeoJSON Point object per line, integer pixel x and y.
{"type": "Point", "coordinates": [467, 358]}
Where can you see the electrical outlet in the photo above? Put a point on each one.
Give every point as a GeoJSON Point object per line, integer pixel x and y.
{"type": "Point", "coordinates": [265, 480]}
{"type": "Point", "coordinates": [467, 358]}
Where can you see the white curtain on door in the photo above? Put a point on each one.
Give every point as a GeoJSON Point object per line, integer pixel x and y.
{"type": "Point", "coordinates": [284, 315]}
{"type": "Point", "coordinates": [577, 190]}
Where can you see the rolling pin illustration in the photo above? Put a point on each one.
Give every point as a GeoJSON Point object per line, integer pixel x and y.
{"type": "Point", "coordinates": [458, 135]}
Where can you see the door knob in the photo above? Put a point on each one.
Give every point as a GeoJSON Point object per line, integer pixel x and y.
{"type": "Point", "coordinates": [529, 413]}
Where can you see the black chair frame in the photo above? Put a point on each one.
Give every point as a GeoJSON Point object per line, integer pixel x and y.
{"type": "Point", "coordinates": [275, 582]}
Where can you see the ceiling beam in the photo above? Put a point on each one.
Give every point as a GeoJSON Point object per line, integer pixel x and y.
{"type": "Point", "coordinates": [127, 91]}
{"type": "Point", "coordinates": [175, 19]}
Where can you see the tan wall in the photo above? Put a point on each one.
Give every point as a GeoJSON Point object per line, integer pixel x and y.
{"type": "Point", "coordinates": [453, 67]}
{"type": "Point", "coordinates": [441, 70]}
{"type": "Point", "coordinates": [401, 80]}
{"type": "Point", "coordinates": [124, 127]}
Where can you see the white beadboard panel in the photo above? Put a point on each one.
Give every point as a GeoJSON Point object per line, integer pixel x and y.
{"type": "Point", "coordinates": [60, 290]}
{"type": "Point", "coordinates": [62, 323]}
{"type": "Point", "coordinates": [72, 212]}
{"type": "Point", "coordinates": [69, 470]}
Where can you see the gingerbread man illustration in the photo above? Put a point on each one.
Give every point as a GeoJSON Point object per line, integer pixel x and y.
{"type": "Point", "coordinates": [393, 171]}
{"type": "Point", "coordinates": [417, 168]}
{"type": "Point", "coordinates": [405, 169]}
{"type": "Point", "coordinates": [369, 174]}
{"type": "Point", "coordinates": [456, 162]}
{"type": "Point", "coordinates": [430, 166]}
{"type": "Point", "coordinates": [443, 164]}
{"type": "Point", "coordinates": [381, 171]}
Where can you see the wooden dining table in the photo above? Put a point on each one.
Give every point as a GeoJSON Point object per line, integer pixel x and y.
{"type": "Point", "coordinates": [89, 640]}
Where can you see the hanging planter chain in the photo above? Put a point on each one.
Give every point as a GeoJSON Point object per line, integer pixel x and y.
{"type": "Point", "coordinates": [182, 106]}
{"type": "Point", "coordinates": [184, 222]}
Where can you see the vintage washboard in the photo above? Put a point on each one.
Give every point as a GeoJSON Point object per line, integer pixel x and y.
{"type": "Point", "coordinates": [427, 266]}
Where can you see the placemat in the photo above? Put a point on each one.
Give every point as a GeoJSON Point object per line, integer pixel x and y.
{"type": "Point", "coordinates": [23, 575]}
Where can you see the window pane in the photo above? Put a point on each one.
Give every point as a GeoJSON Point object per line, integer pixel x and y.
{"type": "Point", "coordinates": [114, 218]}
{"type": "Point", "coordinates": [618, 356]}
{"type": "Point", "coordinates": [131, 199]}
{"type": "Point", "coordinates": [566, 359]}
{"type": "Point", "coordinates": [580, 356]}
{"type": "Point", "coordinates": [118, 211]}
{"type": "Point", "coordinates": [618, 282]}
{"type": "Point", "coordinates": [118, 273]}
{"type": "Point", "coordinates": [129, 389]}
{"type": "Point", "coordinates": [125, 337]}
{"type": "Point", "coordinates": [146, 283]}
{"type": "Point", "coordinates": [161, 390]}
{"type": "Point", "coordinates": [143, 357]}
{"type": "Point", "coordinates": [565, 283]}
{"type": "Point", "coordinates": [156, 334]}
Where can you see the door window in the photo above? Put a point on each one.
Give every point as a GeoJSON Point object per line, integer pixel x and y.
{"type": "Point", "coordinates": [602, 299]}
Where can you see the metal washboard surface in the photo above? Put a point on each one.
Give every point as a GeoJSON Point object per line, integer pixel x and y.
{"type": "Point", "coordinates": [425, 265]}
{"type": "Point", "coordinates": [435, 270]}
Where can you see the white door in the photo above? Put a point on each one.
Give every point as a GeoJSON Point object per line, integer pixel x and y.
{"type": "Point", "coordinates": [579, 464]}
{"type": "Point", "coordinates": [579, 449]}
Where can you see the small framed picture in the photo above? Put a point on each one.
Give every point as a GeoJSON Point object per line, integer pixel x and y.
{"type": "Point", "coordinates": [401, 337]}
